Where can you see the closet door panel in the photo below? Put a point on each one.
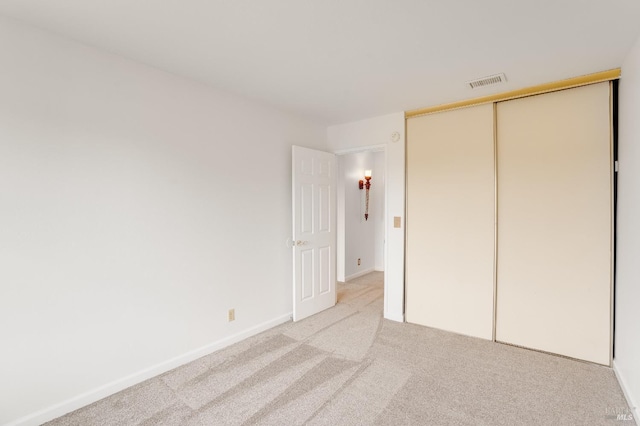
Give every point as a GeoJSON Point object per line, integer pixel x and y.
{"type": "Point", "coordinates": [450, 221]}
{"type": "Point", "coordinates": [555, 223]}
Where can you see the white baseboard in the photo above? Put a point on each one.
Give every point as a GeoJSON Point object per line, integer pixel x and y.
{"type": "Point", "coordinates": [394, 316]}
{"type": "Point", "coordinates": [632, 405]}
{"type": "Point", "coordinates": [359, 274]}
{"type": "Point", "coordinates": [97, 394]}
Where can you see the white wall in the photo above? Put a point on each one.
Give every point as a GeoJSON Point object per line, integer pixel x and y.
{"type": "Point", "coordinates": [340, 222]}
{"type": "Point", "coordinates": [627, 331]}
{"type": "Point", "coordinates": [136, 208]}
{"type": "Point", "coordinates": [359, 233]}
{"type": "Point", "coordinates": [377, 194]}
{"type": "Point", "coordinates": [371, 132]}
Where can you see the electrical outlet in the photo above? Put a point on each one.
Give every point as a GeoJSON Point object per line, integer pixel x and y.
{"type": "Point", "coordinates": [232, 314]}
{"type": "Point", "coordinates": [358, 261]}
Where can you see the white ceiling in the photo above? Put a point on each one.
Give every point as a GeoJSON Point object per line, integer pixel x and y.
{"type": "Point", "coordinates": [335, 61]}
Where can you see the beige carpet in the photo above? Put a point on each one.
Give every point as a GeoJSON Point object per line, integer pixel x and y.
{"type": "Point", "coordinates": [348, 366]}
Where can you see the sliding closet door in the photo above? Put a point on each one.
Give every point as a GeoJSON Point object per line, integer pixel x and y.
{"type": "Point", "coordinates": [450, 221]}
{"type": "Point", "coordinates": [554, 223]}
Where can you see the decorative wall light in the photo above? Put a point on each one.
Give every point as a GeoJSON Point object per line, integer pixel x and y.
{"type": "Point", "coordinates": [363, 185]}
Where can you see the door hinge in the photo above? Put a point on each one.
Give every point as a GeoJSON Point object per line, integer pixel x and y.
{"type": "Point", "coordinates": [616, 166]}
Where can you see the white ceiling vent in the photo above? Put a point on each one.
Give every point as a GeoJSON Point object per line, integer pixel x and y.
{"type": "Point", "coordinates": [487, 81]}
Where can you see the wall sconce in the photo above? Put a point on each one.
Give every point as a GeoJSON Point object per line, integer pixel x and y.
{"type": "Point", "coordinates": [363, 185]}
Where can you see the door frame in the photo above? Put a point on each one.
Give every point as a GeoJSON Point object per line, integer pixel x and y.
{"type": "Point", "coordinates": [340, 220]}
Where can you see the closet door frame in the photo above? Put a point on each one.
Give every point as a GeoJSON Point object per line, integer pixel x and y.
{"type": "Point", "coordinates": [608, 76]}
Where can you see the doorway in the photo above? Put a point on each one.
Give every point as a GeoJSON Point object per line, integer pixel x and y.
{"type": "Point", "coordinates": [360, 240]}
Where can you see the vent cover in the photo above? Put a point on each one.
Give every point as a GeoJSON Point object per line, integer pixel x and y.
{"type": "Point", "coordinates": [487, 81]}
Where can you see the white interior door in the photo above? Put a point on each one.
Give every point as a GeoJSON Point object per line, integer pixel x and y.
{"type": "Point", "coordinates": [314, 231]}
